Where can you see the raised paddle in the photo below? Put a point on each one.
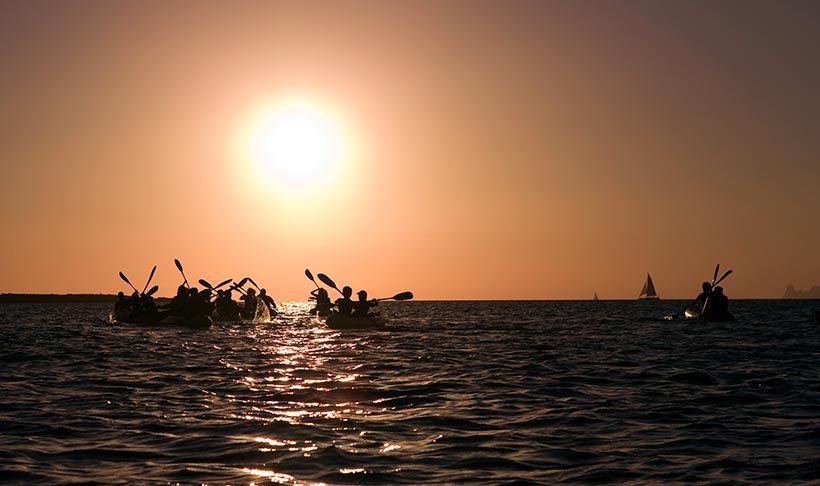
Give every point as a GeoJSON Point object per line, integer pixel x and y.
{"type": "Point", "coordinates": [327, 281]}
{"type": "Point", "coordinates": [153, 290]}
{"type": "Point", "coordinates": [222, 284]}
{"type": "Point", "coordinates": [728, 272]}
{"type": "Point", "coordinates": [238, 285]}
{"type": "Point", "coordinates": [714, 277]}
{"type": "Point", "coordinates": [179, 267]}
{"type": "Point", "coordinates": [254, 284]}
{"type": "Point", "coordinates": [401, 296]}
{"type": "Point", "coordinates": [310, 277]}
{"type": "Point", "coordinates": [125, 279]}
{"type": "Point", "coordinates": [150, 277]}
{"type": "Point", "coordinates": [205, 284]}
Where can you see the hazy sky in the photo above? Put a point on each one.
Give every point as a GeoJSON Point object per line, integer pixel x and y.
{"type": "Point", "coordinates": [504, 149]}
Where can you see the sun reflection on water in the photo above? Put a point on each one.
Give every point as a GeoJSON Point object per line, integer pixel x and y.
{"type": "Point", "coordinates": [306, 376]}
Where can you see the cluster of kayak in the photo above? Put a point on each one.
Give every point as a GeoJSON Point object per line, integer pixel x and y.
{"type": "Point", "coordinates": [193, 307]}
{"type": "Point", "coordinates": [344, 312]}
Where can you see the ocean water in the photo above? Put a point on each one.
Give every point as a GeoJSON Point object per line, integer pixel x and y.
{"type": "Point", "coordinates": [452, 392]}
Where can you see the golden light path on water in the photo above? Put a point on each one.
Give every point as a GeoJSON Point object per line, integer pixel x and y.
{"type": "Point", "coordinates": [296, 361]}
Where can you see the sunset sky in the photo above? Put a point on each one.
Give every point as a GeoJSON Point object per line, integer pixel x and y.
{"type": "Point", "coordinates": [474, 150]}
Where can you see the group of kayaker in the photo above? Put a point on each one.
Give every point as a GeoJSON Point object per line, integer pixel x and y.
{"type": "Point", "coordinates": [192, 304]}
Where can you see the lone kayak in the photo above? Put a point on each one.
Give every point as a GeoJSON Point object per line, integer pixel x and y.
{"type": "Point", "coordinates": [343, 321]}
{"type": "Point", "coordinates": [695, 315]}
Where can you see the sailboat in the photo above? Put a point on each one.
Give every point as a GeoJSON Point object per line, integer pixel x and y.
{"type": "Point", "coordinates": [595, 297]}
{"type": "Point", "coordinates": [648, 291]}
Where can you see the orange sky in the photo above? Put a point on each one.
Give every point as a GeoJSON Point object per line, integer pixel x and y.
{"type": "Point", "coordinates": [498, 150]}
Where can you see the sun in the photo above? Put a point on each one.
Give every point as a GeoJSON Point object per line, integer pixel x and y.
{"type": "Point", "coordinates": [297, 146]}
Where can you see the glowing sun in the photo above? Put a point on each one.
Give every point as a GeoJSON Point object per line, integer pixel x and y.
{"type": "Point", "coordinates": [298, 146]}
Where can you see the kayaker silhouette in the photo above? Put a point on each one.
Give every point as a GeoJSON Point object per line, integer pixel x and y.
{"type": "Point", "coordinates": [323, 303]}
{"type": "Point", "coordinates": [268, 300]}
{"type": "Point", "coordinates": [700, 300]}
{"type": "Point", "coordinates": [249, 310]}
{"type": "Point", "coordinates": [717, 308]}
{"type": "Point", "coordinates": [362, 306]}
{"type": "Point", "coordinates": [344, 305]}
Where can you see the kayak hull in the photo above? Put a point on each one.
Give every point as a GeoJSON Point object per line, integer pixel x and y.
{"type": "Point", "coordinates": [194, 322]}
{"type": "Point", "coordinates": [697, 316]}
{"type": "Point", "coordinates": [341, 321]}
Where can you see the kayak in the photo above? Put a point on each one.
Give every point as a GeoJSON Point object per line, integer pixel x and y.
{"type": "Point", "coordinates": [342, 321]}
{"type": "Point", "coordinates": [695, 315]}
{"type": "Point", "coordinates": [195, 322]}
{"type": "Point", "coordinates": [198, 321]}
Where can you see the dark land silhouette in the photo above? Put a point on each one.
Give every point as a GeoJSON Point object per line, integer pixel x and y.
{"type": "Point", "coordinates": [792, 293]}
{"type": "Point", "coordinates": [57, 298]}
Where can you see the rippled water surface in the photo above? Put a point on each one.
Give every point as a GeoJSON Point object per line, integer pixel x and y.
{"type": "Point", "coordinates": [452, 392]}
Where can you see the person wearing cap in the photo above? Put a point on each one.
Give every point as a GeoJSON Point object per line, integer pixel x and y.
{"type": "Point", "coordinates": [362, 306]}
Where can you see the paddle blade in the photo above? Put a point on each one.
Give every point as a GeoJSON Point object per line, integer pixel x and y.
{"type": "Point", "coordinates": [179, 265]}
{"type": "Point", "coordinates": [226, 282]}
{"type": "Point", "coordinates": [717, 269]}
{"type": "Point", "coordinates": [309, 275]}
{"type": "Point", "coordinates": [205, 283]}
{"type": "Point", "coordinates": [403, 296]}
{"type": "Point", "coordinates": [150, 277]}
{"type": "Point", "coordinates": [254, 283]}
{"type": "Point", "coordinates": [327, 281]}
{"type": "Point", "coordinates": [125, 279]}
{"type": "Point", "coordinates": [153, 290]}
{"type": "Point", "coordinates": [728, 272]}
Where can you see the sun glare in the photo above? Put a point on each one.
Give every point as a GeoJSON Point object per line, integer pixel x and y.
{"type": "Point", "coordinates": [297, 146]}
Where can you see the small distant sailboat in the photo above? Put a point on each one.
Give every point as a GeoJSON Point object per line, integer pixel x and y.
{"type": "Point", "coordinates": [595, 297]}
{"type": "Point", "coordinates": [648, 291]}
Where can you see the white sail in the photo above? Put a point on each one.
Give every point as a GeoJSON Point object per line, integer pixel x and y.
{"type": "Point", "coordinates": [648, 291]}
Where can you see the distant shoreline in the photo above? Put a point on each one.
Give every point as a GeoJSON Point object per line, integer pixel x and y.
{"type": "Point", "coordinates": [55, 298]}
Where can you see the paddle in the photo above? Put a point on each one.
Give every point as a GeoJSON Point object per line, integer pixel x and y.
{"type": "Point", "coordinates": [153, 290]}
{"type": "Point", "coordinates": [150, 277]}
{"type": "Point", "coordinates": [327, 281]}
{"type": "Point", "coordinates": [672, 318]}
{"type": "Point", "coordinates": [310, 277]}
{"type": "Point", "coordinates": [254, 283]}
{"type": "Point", "coordinates": [401, 296]}
{"type": "Point", "coordinates": [728, 272]}
{"type": "Point", "coordinates": [714, 282]}
{"type": "Point", "coordinates": [179, 267]}
{"type": "Point", "coordinates": [205, 284]}
{"type": "Point", "coordinates": [222, 284]}
{"type": "Point", "coordinates": [238, 285]}
{"type": "Point", "coordinates": [125, 279]}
